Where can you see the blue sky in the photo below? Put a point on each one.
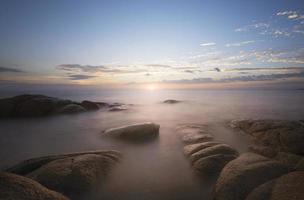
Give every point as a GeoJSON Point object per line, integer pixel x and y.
{"type": "Point", "coordinates": [151, 42]}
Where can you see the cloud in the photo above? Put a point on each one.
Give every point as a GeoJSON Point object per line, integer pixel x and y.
{"type": "Point", "coordinates": [208, 44]}
{"type": "Point", "coordinates": [260, 69]}
{"type": "Point", "coordinates": [262, 77]}
{"type": "Point", "coordinates": [158, 65]}
{"type": "Point", "coordinates": [80, 77]}
{"type": "Point", "coordinates": [240, 43]}
{"type": "Point", "coordinates": [8, 69]}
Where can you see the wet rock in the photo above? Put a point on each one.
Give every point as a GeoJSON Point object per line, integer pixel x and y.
{"type": "Point", "coordinates": [135, 132]}
{"type": "Point", "coordinates": [17, 187]}
{"type": "Point", "coordinates": [300, 165]}
{"type": "Point", "coordinates": [213, 150]}
{"type": "Point", "coordinates": [287, 187]}
{"type": "Point", "coordinates": [192, 138]}
{"type": "Point", "coordinates": [71, 174]}
{"type": "Point", "coordinates": [213, 164]}
{"type": "Point", "coordinates": [263, 150]}
{"type": "Point", "coordinates": [71, 109]}
{"type": "Point", "coordinates": [171, 101]}
{"type": "Point", "coordinates": [89, 105]}
{"type": "Point", "coordinates": [279, 135]}
{"type": "Point", "coordinates": [118, 108]}
{"type": "Point", "coordinates": [193, 148]}
{"type": "Point", "coordinates": [240, 176]}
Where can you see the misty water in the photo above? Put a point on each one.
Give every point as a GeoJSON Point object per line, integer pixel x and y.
{"type": "Point", "coordinates": [153, 170]}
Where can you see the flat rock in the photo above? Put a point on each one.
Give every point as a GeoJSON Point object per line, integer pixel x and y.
{"type": "Point", "coordinates": [17, 187]}
{"type": "Point", "coordinates": [213, 150]}
{"type": "Point", "coordinates": [213, 164]}
{"type": "Point", "coordinates": [135, 132]}
{"type": "Point", "coordinates": [192, 148]}
{"type": "Point", "coordinates": [73, 174]}
{"type": "Point", "coordinates": [287, 187]}
{"type": "Point", "coordinates": [240, 176]}
{"type": "Point", "coordinates": [194, 133]}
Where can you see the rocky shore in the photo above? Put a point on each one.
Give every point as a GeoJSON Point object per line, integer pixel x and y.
{"type": "Point", "coordinates": [271, 169]}
{"type": "Point", "coordinates": [29, 105]}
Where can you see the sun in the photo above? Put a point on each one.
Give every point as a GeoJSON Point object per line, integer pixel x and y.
{"type": "Point", "coordinates": [151, 87]}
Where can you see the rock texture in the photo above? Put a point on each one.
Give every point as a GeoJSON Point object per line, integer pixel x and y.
{"type": "Point", "coordinates": [207, 157]}
{"type": "Point", "coordinates": [17, 187]}
{"type": "Point", "coordinates": [71, 174]}
{"type": "Point", "coordinates": [135, 132]}
{"type": "Point", "coordinates": [273, 136]}
{"type": "Point", "coordinates": [240, 176]}
{"type": "Point", "coordinates": [39, 105]}
{"type": "Point", "coordinates": [286, 187]}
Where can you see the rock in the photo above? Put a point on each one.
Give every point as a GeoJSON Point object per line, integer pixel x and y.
{"type": "Point", "coordinates": [192, 138]}
{"type": "Point", "coordinates": [40, 105]}
{"type": "Point", "coordinates": [215, 149]}
{"type": "Point", "coordinates": [192, 148]}
{"type": "Point", "coordinates": [89, 105]}
{"type": "Point", "coordinates": [194, 133]}
{"type": "Point", "coordinates": [171, 101]}
{"type": "Point", "coordinates": [287, 187]}
{"type": "Point", "coordinates": [300, 165]}
{"type": "Point", "coordinates": [280, 135]}
{"type": "Point", "coordinates": [213, 164]}
{"type": "Point", "coordinates": [263, 150]}
{"type": "Point", "coordinates": [22, 188]}
{"type": "Point", "coordinates": [71, 109]}
{"type": "Point", "coordinates": [118, 108]}
{"type": "Point", "coordinates": [135, 132]}
{"type": "Point", "coordinates": [291, 160]}
{"type": "Point", "coordinates": [240, 176]}
{"type": "Point", "coordinates": [71, 174]}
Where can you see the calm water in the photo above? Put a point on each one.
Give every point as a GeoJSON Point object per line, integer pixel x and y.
{"type": "Point", "coordinates": [156, 170]}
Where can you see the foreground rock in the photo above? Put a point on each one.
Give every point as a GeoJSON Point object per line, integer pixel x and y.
{"type": "Point", "coordinates": [286, 187]}
{"type": "Point", "coordinates": [135, 132]}
{"type": "Point", "coordinates": [17, 187]}
{"type": "Point", "coordinates": [273, 136]}
{"type": "Point", "coordinates": [40, 105]}
{"type": "Point", "coordinates": [240, 176]}
{"type": "Point", "coordinates": [71, 174]}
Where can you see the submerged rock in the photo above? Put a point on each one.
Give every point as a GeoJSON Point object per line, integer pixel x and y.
{"type": "Point", "coordinates": [193, 148]}
{"type": "Point", "coordinates": [17, 187]}
{"type": "Point", "coordinates": [286, 187]}
{"type": "Point", "coordinates": [279, 135]}
{"type": "Point", "coordinates": [89, 105]}
{"type": "Point", "coordinates": [240, 176]}
{"type": "Point", "coordinates": [223, 149]}
{"type": "Point", "coordinates": [71, 174]}
{"type": "Point", "coordinates": [171, 101]}
{"type": "Point", "coordinates": [135, 132]}
{"type": "Point", "coordinates": [194, 133]}
{"type": "Point", "coordinates": [213, 164]}
{"type": "Point", "coordinates": [71, 109]}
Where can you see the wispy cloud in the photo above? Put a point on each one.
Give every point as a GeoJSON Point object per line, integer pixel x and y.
{"type": "Point", "coordinates": [238, 44]}
{"type": "Point", "coordinates": [208, 44]}
{"type": "Point", "coordinates": [9, 69]}
{"type": "Point", "coordinates": [80, 77]}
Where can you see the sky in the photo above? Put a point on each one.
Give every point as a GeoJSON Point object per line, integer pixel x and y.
{"type": "Point", "coordinates": [154, 44]}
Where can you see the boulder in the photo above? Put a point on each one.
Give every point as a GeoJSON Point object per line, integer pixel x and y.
{"type": "Point", "coordinates": [193, 148]}
{"type": "Point", "coordinates": [213, 150]}
{"type": "Point", "coordinates": [118, 108]}
{"type": "Point", "coordinates": [192, 138]}
{"type": "Point", "coordinates": [171, 101]}
{"type": "Point", "coordinates": [300, 165]}
{"type": "Point", "coordinates": [17, 187]}
{"type": "Point", "coordinates": [213, 164]}
{"type": "Point", "coordinates": [287, 187]}
{"type": "Point", "coordinates": [289, 159]}
{"type": "Point", "coordinates": [240, 176]}
{"type": "Point", "coordinates": [279, 135]}
{"type": "Point", "coordinates": [71, 109]}
{"type": "Point", "coordinates": [135, 132]}
{"type": "Point", "coordinates": [263, 150]}
{"type": "Point", "coordinates": [194, 133]}
{"type": "Point", "coordinates": [71, 174]}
